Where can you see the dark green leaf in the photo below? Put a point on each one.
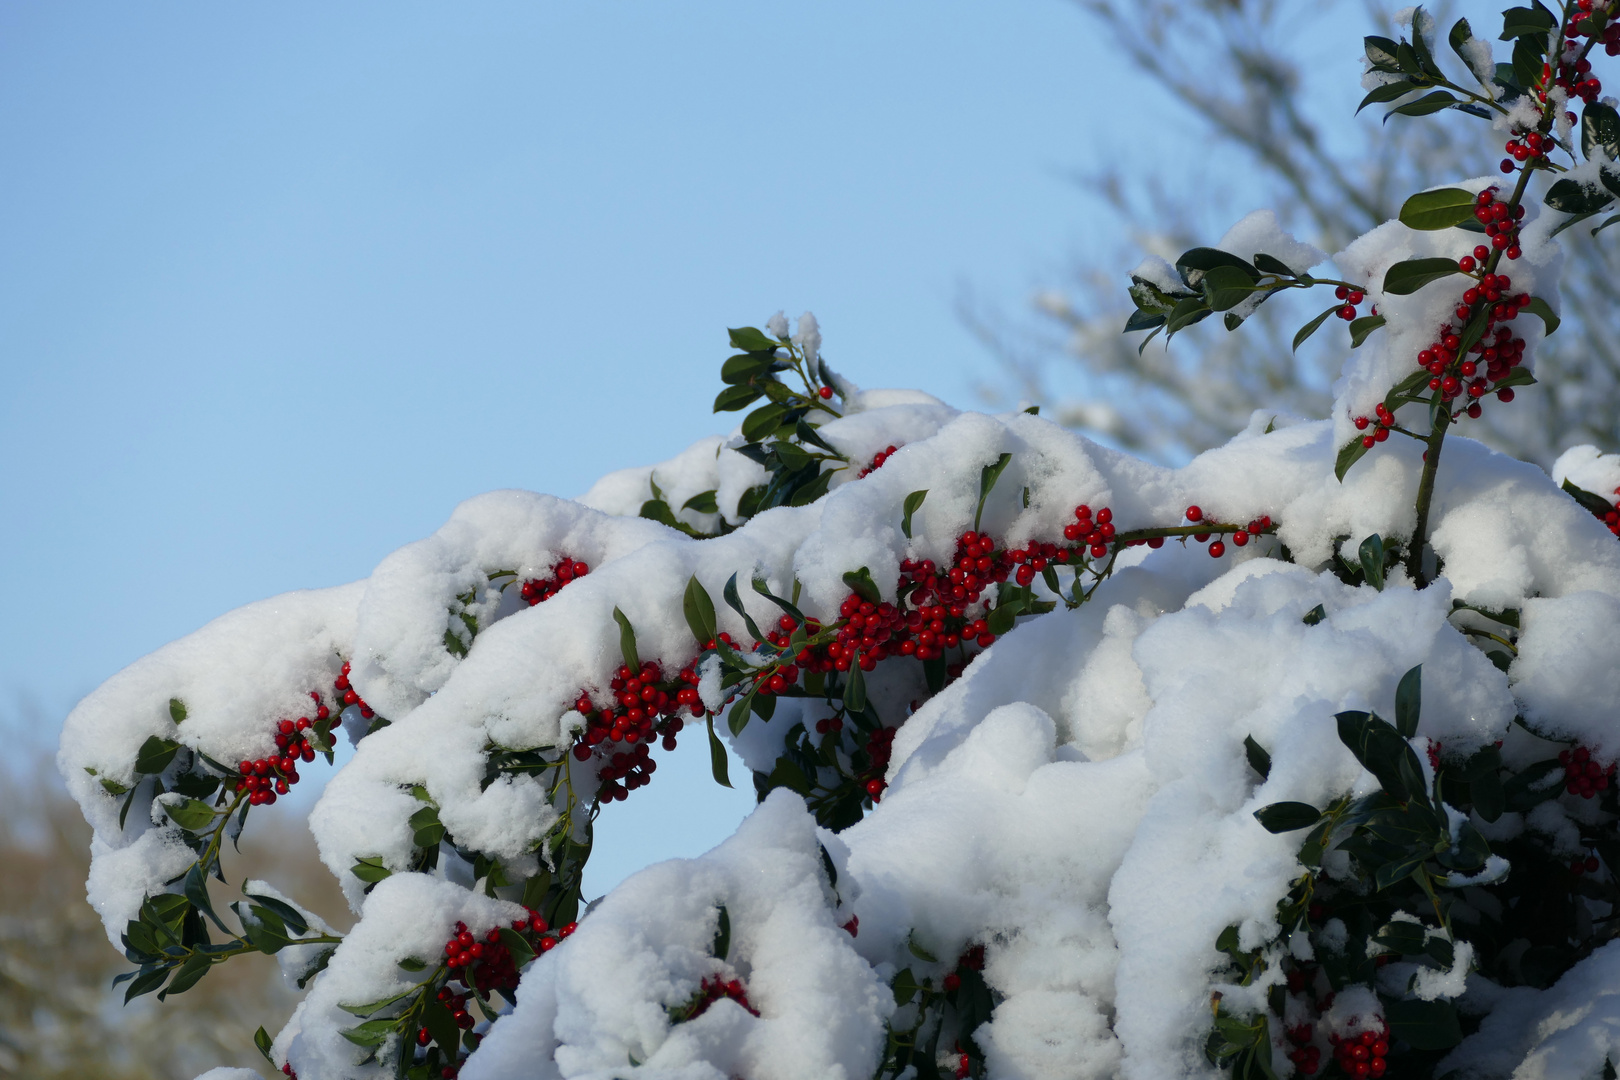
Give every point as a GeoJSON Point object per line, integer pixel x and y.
{"type": "Point", "coordinates": [765, 590]}
{"type": "Point", "coordinates": [373, 1007]}
{"type": "Point", "coordinates": [1424, 1025]}
{"type": "Point", "coordinates": [191, 815]}
{"type": "Point", "coordinates": [1226, 287]}
{"type": "Point", "coordinates": [812, 491]}
{"type": "Point", "coordinates": [763, 421]}
{"type": "Point", "coordinates": [146, 982]}
{"type": "Point", "coordinates": [1381, 53]}
{"type": "Point", "coordinates": [1270, 264]}
{"type": "Point", "coordinates": [1518, 21]}
{"type": "Point", "coordinates": [627, 640]}
{"type": "Point", "coordinates": [370, 869]}
{"type": "Point", "coordinates": [427, 829]}
{"type": "Point", "coordinates": [1350, 453]}
{"type": "Point", "coordinates": [913, 503]}
{"type": "Point", "coordinates": [919, 952]}
{"type": "Point", "coordinates": [262, 1040]}
{"type": "Point", "coordinates": [1408, 277]}
{"type": "Point", "coordinates": [702, 503]}
{"type": "Point", "coordinates": [1259, 760]}
{"type": "Point", "coordinates": [1143, 320]}
{"type": "Point", "coordinates": [734, 601]}
{"type": "Point", "coordinates": [1528, 52]}
{"type": "Point", "coordinates": [1196, 262]}
{"type": "Point", "coordinates": [1443, 208]}
{"type": "Point", "coordinates": [1519, 376]}
{"type": "Point", "coordinates": [441, 1025]}
{"type": "Point", "coordinates": [1315, 615]}
{"type": "Point", "coordinates": [717, 757]}
{"type": "Point", "coordinates": [1186, 312]}
{"type": "Point", "coordinates": [855, 689]}
{"type": "Point", "coordinates": [1382, 752]}
{"type": "Point", "coordinates": [739, 369]}
{"type": "Point", "coordinates": [1409, 702]}
{"type": "Point", "coordinates": [1360, 328]}
{"type": "Point", "coordinates": [1596, 504]}
{"type": "Point", "coordinates": [722, 935]}
{"type": "Point", "coordinates": [699, 609]}
{"type": "Point", "coordinates": [749, 339]}
{"type": "Point", "coordinates": [1431, 102]}
{"type": "Point", "coordinates": [177, 710]}
{"type": "Point", "coordinates": [1610, 220]}
{"type": "Point", "coordinates": [1284, 817]}
{"type": "Point", "coordinates": [735, 398]}
{"type": "Point", "coordinates": [810, 436]}
{"type": "Point", "coordinates": [155, 754]}
{"type": "Point", "coordinates": [861, 584]}
{"type": "Point", "coordinates": [741, 709]}
{"type": "Point", "coordinates": [1534, 785]}
{"type": "Point", "coordinates": [1403, 937]}
{"type": "Point", "coordinates": [1600, 130]}
{"type": "Point", "coordinates": [1372, 561]}
{"type": "Point", "coordinates": [987, 481]}
{"type": "Point", "coordinates": [1575, 197]}
{"type": "Point", "coordinates": [1540, 308]}
{"type": "Point", "coordinates": [1311, 327]}
{"type": "Point", "coordinates": [934, 674]}
{"type": "Point", "coordinates": [1461, 34]}
{"type": "Point", "coordinates": [905, 986]}
{"type": "Point", "coordinates": [1387, 92]}
{"type": "Point", "coordinates": [185, 978]}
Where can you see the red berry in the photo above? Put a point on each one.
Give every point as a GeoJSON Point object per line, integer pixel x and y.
{"type": "Point", "coordinates": [1195, 514]}
{"type": "Point", "coordinates": [1217, 549]}
{"type": "Point", "coordinates": [826, 392]}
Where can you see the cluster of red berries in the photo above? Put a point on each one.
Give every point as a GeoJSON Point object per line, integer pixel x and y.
{"type": "Point", "coordinates": [1306, 1055]}
{"type": "Point", "coordinates": [645, 705]}
{"type": "Point", "coordinates": [1611, 518]}
{"type": "Point", "coordinates": [877, 462]}
{"type": "Point", "coordinates": [973, 960]}
{"type": "Point", "coordinates": [288, 1069]}
{"type": "Point", "coordinates": [1574, 75]}
{"type": "Point", "coordinates": [539, 590]}
{"type": "Point", "coordinates": [1501, 223]}
{"type": "Point", "coordinates": [1351, 298]}
{"type": "Point", "coordinates": [1240, 537]}
{"type": "Point", "coordinates": [1582, 775]}
{"type": "Point", "coordinates": [879, 747]}
{"type": "Point", "coordinates": [267, 777]}
{"type": "Point", "coordinates": [1385, 421]}
{"type": "Point", "coordinates": [1582, 866]}
{"type": "Point", "coordinates": [1363, 1054]}
{"type": "Point", "coordinates": [1532, 144]}
{"type": "Point", "coordinates": [713, 989]}
{"type": "Point", "coordinates": [346, 693]}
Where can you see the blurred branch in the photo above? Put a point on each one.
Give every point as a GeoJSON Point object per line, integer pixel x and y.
{"type": "Point", "coordinates": [1233, 66]}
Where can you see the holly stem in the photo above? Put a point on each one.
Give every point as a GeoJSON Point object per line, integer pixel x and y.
{"type": "Point", "coordinates": [1442, 420]}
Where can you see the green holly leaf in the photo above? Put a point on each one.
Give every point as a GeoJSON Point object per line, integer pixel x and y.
{"type": "Point", "coordinates": [1311, 327]}
{"type": "Point", "coordinates": [1409, 702]}
{"type": "Point", "coordinates": [1350, 453]}
{"type": "Point", "coordinates": [627, 640]}
{"type": "Point", "coordinates": [191, 815]}
{"type": "Point", "coordinates": [1443, 208]}
{"type": "Point", "coordinates": [913, 503]}
{"type": "Point", "coordinates": [1360, 328]}
{"type": "Point", "coordinates": [155, 754]}
{"type": "Point", "coordinates": [717, 757]}
{"type": "Point", "coordinates": [750, 339]}
{"type": "Point", "coordinates": [1284, 817]}
{"type": "Point", "coordinates": [1408, 277]}
{"type": "Point", "coordinates": [699, 609]}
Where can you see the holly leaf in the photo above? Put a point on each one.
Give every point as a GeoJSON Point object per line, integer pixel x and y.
{"type": "Point", "coordinates": [370, 869]}
{"type": "Point", "coordinates": [1443, 208]}
{"type": "Point", "coordinates": [1315, 324]}
{"type": "Point", "coordinates": [751, 339]}
{"type": "Point", "coordinates": [155, 754]}
{"type": "Point", "coordinates": [717, 757]}
{"type": "Point", "coordinates": [987, 481]}
{"type": "Point", "coordinates": [722, 935]}
{"type": "Point", "coordinates": [736, 398]}
{"type": "Point", "coordinates": [763, 421]}
{"type": "Point", "coordinates": [1409, 276]}
{"type": "Point", "coordinates": [1600, 130]}
{"type": "Point", "coordinates": [1350, 453]}
{"type": "Point", "coordinates": [1284, 817]}
{"type": "Point", "coordinates": [913, 503]}
{"type": "Point", "coordinates": [1259, 760]}
{"type": "Point", "coordinates": [855, 689]}
{"type": "Point", "coordinates": [1541, 309]}
{"type": "Point", "coordinates": [1431, 102]}
{"type": "Point", "coordinates": [1409, 702]}
{"type": "Point", "coordinates": [1226, 287]}
{"type": "Point", "coordinates": [1372, 561]}
{"type": "Point", "coordinates": [1315, 615]}
{"type": "Point", "coordinates": [627, 640]}
{"type": "Point", "coordinates": [702, 503]}
{"type": "Point", "coordinates": [699, 609]}
{"type": "Point", "coordinates": [861, 584]}
{"type": "Point", "coordinates": [1574, 197]}
{"type": "Point", "coordinates": [1360, 328]}
{"type": "Point", "coordinates": [1519, 376]}
{"type": "Point", "coordinates": [1424, 1025]}
{"type": "Point", "coordinates": [1519, 21]}
{"type": "Point", "coordinates": [262, 1040]}
{"type": "Point", "coordinates": [734, 601]}
{"type": "Point", "coordinates": [1387, 92]}
{"type": "Point", "coordinates": [192, 815]}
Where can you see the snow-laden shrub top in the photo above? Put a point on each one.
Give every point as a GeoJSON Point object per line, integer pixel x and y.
{"type": "Point", "coordinates": [1296, 759]}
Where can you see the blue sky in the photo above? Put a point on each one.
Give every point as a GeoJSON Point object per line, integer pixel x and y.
{"type": "Point", "coordinates": [281, 285]}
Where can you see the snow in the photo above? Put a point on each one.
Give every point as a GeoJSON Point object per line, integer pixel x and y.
{"type": "Point", "coordinates": [1079, 802]}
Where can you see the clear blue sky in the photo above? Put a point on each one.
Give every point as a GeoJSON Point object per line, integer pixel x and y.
{"type": "Point", "coordinates": [280, 285]}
